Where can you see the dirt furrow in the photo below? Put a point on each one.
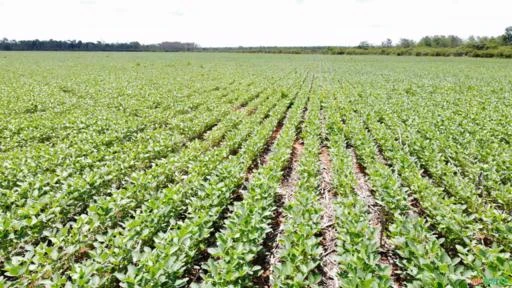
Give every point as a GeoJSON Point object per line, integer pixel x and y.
{"type": "Point", "coordinates": [363, 189]}
{"type": "Point", "coordinates": [284, 195]}
{"type": "Point", "coordinates": [328, 196]}
{"type": "Point", "coordinates": [377, 219]}
{"type": "Point", "coordinates": [238, 196]}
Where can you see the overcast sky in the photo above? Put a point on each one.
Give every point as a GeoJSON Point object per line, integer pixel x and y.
{"type": "Point", "coordinates": [251, 23]}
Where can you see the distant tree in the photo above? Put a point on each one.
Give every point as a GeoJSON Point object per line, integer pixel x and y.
{"type": "Point", "coordinates": [441, 41]}
{"type": "Point", "coordinates": [475, 43]}
{"type": "Point", "coordinates": [388, 43]}
{"type": "Point", "coordinates": [425, 41]}
{"type": "Point", "coordinates": [363, 45]}
{"type": "Point", "coordinates": [5, 45]}
{"type": "Point", "coordinates": [471, 39]}
{"type": "Point", "coordinates": [135, 46]}
{"type": "Point", "coordinates": [454, 41]}
{"type": "Point", "coordinates": [406, 43]}
{"type": "Point", "coordinates": [507, 37]}
{"type": "Point", "coordinates": [178, 46]}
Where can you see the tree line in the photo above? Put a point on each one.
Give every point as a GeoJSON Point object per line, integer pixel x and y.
{"type": "Point", "coordinates": [73, 45]}
{"type": "Point", "coordinates": [437, 45]}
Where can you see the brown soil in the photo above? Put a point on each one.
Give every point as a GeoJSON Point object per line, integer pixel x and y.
{"type": "Point", "coordinates": [251, 111]}
{"type": "Point", "coordinates": [329, 263]}
{"type": "Point", "coordinates": [377, 220]}
{"type": "Point", "coordinates": [416, 208]}
{"type": "Point", "coordinates": [268, 147]}
{"type": "Point", "coordinates": [285, 194]}
{"type": "Point", "coordinates": [268, 258]}
{"type": "Point", "coordinates": [241, 107]}
{"type": "Point", "coordinates": [194, 273]}
{"type": "Point", "coordinates": [380, 156]}
{"type": "Point", "coordinates": [363, 189]}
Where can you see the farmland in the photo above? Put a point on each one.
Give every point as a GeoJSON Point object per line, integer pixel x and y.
{"type": "Point", "coordinates": [233, 170]}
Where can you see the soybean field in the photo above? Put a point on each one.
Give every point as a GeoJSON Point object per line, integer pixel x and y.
{"type": "Point", "coordinates": [253, 170]}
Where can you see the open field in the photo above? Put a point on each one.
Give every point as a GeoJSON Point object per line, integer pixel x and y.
{"type": "Point", "coordinates": [233, 170]}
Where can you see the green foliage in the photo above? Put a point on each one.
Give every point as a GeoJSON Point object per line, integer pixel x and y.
{"type": "Point", "coordinates": [507, 37]}
{"type": "Point", "coordinates": [241, 241]}
{"type": "Point", "coordinates": [130, 170]}
{"type": "Point", "coordinates": [300, 252]}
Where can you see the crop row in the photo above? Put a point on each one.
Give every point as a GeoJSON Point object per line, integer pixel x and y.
{"type": "Point", "coordinates": [106, 212]}
{"type": "Point", "coordinates": [53, 165]}
{"type": "Point", "coordinates": [422, 258]}
{"type": "Point", "coordinates": [233, 259]}
{"type": "Point", "coordinates": [111, 209]}
{"type": "Point", "coordinates": [445, 215]}
{"type": "Point", "coordinates": [76, 102]}
{"type": "Point", "coordinates": [357, 240]}
{"type": "Point", "coordinates": [59, 204]}
{"type": "Point", "coordinates": [175, 249]}
{"type": "Point", "coordinates": [299, 252]}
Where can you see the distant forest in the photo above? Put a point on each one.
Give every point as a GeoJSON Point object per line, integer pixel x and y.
{"type": "Point", "coordinates": [73, 45]}
{"type": "Point", "coordinates": [437, 45]}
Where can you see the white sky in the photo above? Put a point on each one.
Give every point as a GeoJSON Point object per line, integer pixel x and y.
{"type": "Point", "coordinates": [251, 22]}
